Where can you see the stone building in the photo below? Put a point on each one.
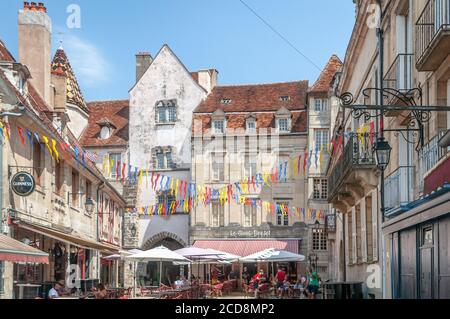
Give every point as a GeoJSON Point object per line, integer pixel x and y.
{"type": "Point", "coordinates": [161, 105]}
{"type": "Point", "coordinates": [74, 214]}
{"type": "Point", "coordinates": [239, 132]}
{"type": "Point", "coordinates": [400, 252]}
{"type": "Point", "coordinates": [322, 108]}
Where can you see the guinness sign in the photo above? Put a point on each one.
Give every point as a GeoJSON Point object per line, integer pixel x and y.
{"type": "Point", "coordinates": [23, 184]}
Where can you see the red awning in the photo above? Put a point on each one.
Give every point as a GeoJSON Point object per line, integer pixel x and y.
{"type": "Point", "coordinates": [14, 251]}
{"type": "Point", "coordinates": [245, 248]}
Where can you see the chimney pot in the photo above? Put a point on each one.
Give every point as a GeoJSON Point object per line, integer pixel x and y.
{"type": "Point", "coordinates": [26, 6]}
{"type": "Point", "coordinates": [33, 6]}
{"type": "Point", "coordinates": [41, 7]}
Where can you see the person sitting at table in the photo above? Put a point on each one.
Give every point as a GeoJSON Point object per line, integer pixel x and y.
{"type": "Point", "coordinates": [62, 291]}
{"type": "Point", "coordinates": [178, 283]}
{"type": "Point", "coordinates": [100, 292]}
{"type": "Point", "coordinates": [53, 292]}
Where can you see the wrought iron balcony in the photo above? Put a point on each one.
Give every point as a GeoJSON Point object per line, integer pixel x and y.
{"type": "Point", "coordinates": [429, 156]}
{"type": "Point", "coordinates": [358, 155]}
{"type": "Point", "coordinates": [399, 77]}
{"type": "Point", "coordinates": [399, 189]}
{"type": "Point", "coordinates": [433, 35]}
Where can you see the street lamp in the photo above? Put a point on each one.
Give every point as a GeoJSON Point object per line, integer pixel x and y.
{"type": "Point", "coordinates": [383, 153]}
{"type": "Point", "coordinates": [89, 205]}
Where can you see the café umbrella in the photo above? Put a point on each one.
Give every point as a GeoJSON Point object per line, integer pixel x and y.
{"type": "Point", "coordinates": [160, 254]}
{"type": "Point", "coordinates": [273, 255]}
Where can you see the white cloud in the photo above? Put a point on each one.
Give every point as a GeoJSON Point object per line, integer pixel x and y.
{"type": "Point", "coordinates": [90, 66]}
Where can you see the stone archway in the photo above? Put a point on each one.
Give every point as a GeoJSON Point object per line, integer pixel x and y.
{"type": "Point", "coordinates": [167, 239]}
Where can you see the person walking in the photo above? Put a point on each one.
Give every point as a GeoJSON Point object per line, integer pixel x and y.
{"type": "Point", "coordinates": [312, 284]}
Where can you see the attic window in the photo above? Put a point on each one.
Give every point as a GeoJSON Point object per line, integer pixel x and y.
{"type": "Point", "coordinates": [285, 98]}
{"type": "Point", "coordinates": [225, 101]}
{"type": "Point", "coordinates": [105, 132]}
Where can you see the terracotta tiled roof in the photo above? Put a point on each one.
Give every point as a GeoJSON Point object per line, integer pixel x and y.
{"type": "Point", "coordinates": [323, 83]}
{"type": "Point", "coordinates": [5, 55]}
{"type": "Point", "coordinates": [117, 113]}
{"type": "Point", "coordinates": [61, 65]}
{"type": "Point", "coordinates": [255, 98]}
{"type": "Point", "coordinates": [235, 121]}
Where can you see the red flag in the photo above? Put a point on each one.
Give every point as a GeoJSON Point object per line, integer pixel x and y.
{"type": "Point", "coordinates": [117, 170]}
{"type": "Point", "coordinates": [22, 139]}
{"type": "Point", "coordinates": [299, 164]}
{"type": "Point", "coordinates": [123, 172]}
{"type": "Point", "coordinates": [305, 161]}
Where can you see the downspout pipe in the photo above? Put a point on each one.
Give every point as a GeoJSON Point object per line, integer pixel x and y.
{"type": "Point", "coordinates": [99, 188]}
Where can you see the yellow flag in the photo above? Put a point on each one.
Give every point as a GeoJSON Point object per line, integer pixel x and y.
{"type": "Point", "coordinates": [111, 166]}
{"type": "Point", "coordinates": [177, 187]}
{"type": "Point", "coordinates": [46, 141]}
{"type": "Point", "coordinates": [55, 150]}
{"type": "Point", "coordinates": [140, 176]}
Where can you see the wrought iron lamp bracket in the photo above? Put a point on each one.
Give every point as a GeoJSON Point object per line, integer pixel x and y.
{"type": "Point", "coordinates": [407, 101]}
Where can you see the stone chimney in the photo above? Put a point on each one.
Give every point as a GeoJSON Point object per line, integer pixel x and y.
{"type": "Point", "coordinates": [208, 79]}
{"type": "Point", "coordinates": [35, 29]}
{"type": "Point", "coordinates": [143, 62]}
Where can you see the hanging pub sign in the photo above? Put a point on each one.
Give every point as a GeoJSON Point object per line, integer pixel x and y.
{"type": "Point", "coordinates": [23, 184]}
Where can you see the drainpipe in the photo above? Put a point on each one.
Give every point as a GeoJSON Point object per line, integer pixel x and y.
{"type": "Point", "coordinates": [100, 187]}
{"type": "Point", "coordinates": [382, 195]}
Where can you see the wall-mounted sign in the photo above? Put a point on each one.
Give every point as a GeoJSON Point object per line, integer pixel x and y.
{"type": "Point", "coordinates": [23, 184]}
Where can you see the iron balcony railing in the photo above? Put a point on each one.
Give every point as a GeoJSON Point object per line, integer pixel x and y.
{"type": "Point", "coordinates": [399, 75]}
{"type": "Point", "coordinates": [434, 19]}
{"type": "Point", "coordinates": [358, 153]}
{"type": "Point", "coordinates": [399, 188]}
{"type": "Point", "coordinates": [429, 156]}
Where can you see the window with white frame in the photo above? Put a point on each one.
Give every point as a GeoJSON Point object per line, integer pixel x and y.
{"type": "Point", "coordinates": [218, 215]}
{"type": "Point", "coordinates": [319, 239]}
{"type": "Point", "coordinates": [283, 125]}
{"type": "Point", "coordinates": [320, 105]}
{"type": "Point", "coordinates": [249, 216]}
{"type": "Point", "coordinates": [321, 139]}
{"type": "Point", "coordinates": [250, 165]}
{"type": "Point", "coordinates": [218, 167]}
{"type": "Point", "coordinates": [282, 216]}
{"type": "Point", "coordinates": [166, 111]}
{"type": "Point", "coordinates": [166, 198]}
{"type": "Point", "coordinates": [218, 126]}
{"type": "Point", "coordinates": [114, 159]}
{"type": "Point", "coordinates": [163, 158]}
{"type": "Point", "coordinates": [251, 125]}
{"type": "Point", "coordinates": [320, 188]}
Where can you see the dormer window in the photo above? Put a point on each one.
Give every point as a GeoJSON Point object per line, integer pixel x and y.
{"type": "Point", "coordinates": [105, 133]}
{"type": "Point", "coordinates": [285, 98]}
{"type": "Point", "coordinates": [283, 125]}
{"type": "Point", "coordinates": [106, 129]}
{"type": "Point", "coordinates": [283, 120]}
{"type": "Point", "coordinates": [225, 101]}
{"type": "Point", "coordinates": [166, 112]}
{"type": "Point", "coordinates": [219, 123]}
{"type": "Point", "coordinates": [320, 105]}
{"type": "Point", "coordinates": [219, 126]}
{"type": "Point", "coordinates": [251, 124]}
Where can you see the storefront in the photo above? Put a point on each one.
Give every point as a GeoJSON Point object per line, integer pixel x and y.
{"type": "Point", "coordinates": [71, 258]}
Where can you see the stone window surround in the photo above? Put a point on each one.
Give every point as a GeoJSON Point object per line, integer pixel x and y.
{"type": "Point", "coordinates": [167, 104]}
{"type": "Point", "coordinates": [164, 150]}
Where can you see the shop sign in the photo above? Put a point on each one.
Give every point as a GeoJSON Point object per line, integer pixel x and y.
{"type": "Point", "coordinates": [23, 184]}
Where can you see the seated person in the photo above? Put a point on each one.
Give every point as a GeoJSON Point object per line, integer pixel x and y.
{"type": "Point", "coordinates": [53, 293]}
{"type": "Point", "coordinates": [286, 286]}
{"type": "Point", "coordinates": [178, 282]}
{"type": "Point", "coordinates": [100, 292]}
{"type": "Point", "coordinates": [299, 284]}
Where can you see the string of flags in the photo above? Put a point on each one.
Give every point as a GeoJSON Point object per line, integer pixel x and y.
{"type": "Point", "coordinates": [191, 195]}
{"type": "Point", "coordinates": [54, 148]}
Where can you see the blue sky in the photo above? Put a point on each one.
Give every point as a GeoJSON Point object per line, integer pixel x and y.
{"type": "Point", "coordinates": [221, 34]}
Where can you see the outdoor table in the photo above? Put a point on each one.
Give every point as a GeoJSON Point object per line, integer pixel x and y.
{"type": "Point", "coordinates": [23, 286]}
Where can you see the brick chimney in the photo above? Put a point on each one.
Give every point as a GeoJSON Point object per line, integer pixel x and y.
{"type": "Point", "coordinates": [35, 29]}
{"type": "Point", "coordinates": [143, 62]}
{"type": "Point", "coordinates": [208, 79]}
